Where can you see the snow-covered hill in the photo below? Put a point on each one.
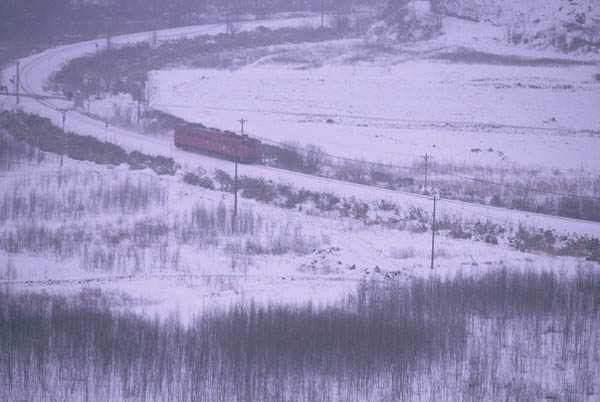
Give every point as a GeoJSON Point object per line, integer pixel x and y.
{"type": "Point", "coordinates": [565, 24]}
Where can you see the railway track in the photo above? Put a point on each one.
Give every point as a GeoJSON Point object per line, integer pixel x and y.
{"type": "Point", "coordinates": [36, 69]}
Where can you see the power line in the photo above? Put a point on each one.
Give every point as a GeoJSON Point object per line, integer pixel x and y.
{"type": "Point", "coordinates": [341, 158]}
{"type": "Point", "coordinates": [417, 170]}
{"type": "Point", "coordinates": [515, 187]}
{"type": "Point", "coordinates": [413, 170]}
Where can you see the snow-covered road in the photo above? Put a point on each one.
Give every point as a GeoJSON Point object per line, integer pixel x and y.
{"type": "Point", "coordinates": [36, 69]}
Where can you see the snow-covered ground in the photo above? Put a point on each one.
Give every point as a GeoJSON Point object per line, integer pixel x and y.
{"type": "Point", "coordinates": [388, 112]}
{"type": "Point", "coordinates": [337, 253]}
{"type": "Point", "coordinates": [399, 112]}
{"type": "Point", "coordinates": [536, 22]}
{"type": "Point", "coordinates": [36, 69]}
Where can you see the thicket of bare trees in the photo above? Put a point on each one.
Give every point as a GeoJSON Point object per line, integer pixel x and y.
{"type": "Point", "coordinates": [26, 25]}
{"type": "Point", "coordinates": [504, 336]}
{"type": "Point", "coordinates": [168, 11]}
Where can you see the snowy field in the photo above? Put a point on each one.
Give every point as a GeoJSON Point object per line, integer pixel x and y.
{"type": "Point", "coordinates": [400, 112]}
{"type": "Point", "coordinates": [311, 315]}
{"type": "Point", "coordinates": [391, 110]}
{"type": "Point", "coordinates": [395, 107]}
{"type": "Point", "coordinates": [312, 255]}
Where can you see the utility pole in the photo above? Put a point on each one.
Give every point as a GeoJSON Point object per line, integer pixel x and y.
{"type": "Point", "coordinates": [242, 122]}
{"type": "Point", "coordinates": [235, 185]}
{"type": "Point", "coordinates": [139, 110]}
{"type": "Point", "coordinates": [154, 40]}
{"type": "Point", "coordinates": [64, 118]}
{"type": "Point", "coordinates": [235, 191]}
{"type": "Point", "coordinates": [235, 179]}
{"type": "Point", "coordinates": [433, 232]}
{"type": "Point", "coordinates": [426, 157]}
{"type": "Point", "coordinates": [18, 80]}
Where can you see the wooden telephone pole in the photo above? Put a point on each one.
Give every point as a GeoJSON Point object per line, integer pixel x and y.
{"type": "Point", "coordinates": [242, 122]}
{"type": "Point", "coordinates": [433, 232]}
{"type": "Point", "coordinates": [64, 134]}
{"type": "Point", "coordinates": [235, 178]}
{"type": "Point", "coordinates": [18, 80]}
{"type": "Point", "coordinates": [426, 157]}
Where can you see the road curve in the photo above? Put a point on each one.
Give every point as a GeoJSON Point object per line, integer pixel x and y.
{"type": "Point", "coordinates": [36, 69]}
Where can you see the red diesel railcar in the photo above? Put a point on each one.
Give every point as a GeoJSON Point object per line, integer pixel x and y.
{"type": "Point", "coordinates": [222, 143]}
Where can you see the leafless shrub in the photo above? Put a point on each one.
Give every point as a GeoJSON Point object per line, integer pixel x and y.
{"type": "Point", "coordinates": [14, 154]}
{"type": "Point", "coordinates": [69, 194]}
{"type": "Point", "coordinates": [403, 253]}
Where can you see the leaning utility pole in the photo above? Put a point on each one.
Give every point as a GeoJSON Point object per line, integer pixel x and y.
{"type": "Point", "coordinates": [426, 157]}
{"type": "Point", "coordinates": [433, 232]}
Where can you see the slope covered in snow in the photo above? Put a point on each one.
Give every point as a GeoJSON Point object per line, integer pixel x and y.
{"type": "Point", "coordinates": [568, 25]}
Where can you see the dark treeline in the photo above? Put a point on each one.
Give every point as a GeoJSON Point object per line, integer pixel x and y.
{"type": "Point", "coordinates": [163, 11]}
{"type": "Point", "coordinates": [27, 26]}
{"type": "Point", "coordinates": [125, 70]}
{"type": "Point", "coordinates": [370, 347]}
{"type": "Point", "coordinates": [40, 134]}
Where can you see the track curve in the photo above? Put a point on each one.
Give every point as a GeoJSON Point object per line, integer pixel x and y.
{"type": "Point", "coordinates": [37, 69]}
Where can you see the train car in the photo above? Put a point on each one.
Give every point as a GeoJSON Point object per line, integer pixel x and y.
{"type": "Point", "coordinates": [216, 142]}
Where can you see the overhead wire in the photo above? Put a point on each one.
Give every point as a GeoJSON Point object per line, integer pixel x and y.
{"type": "Point", "coordinates": [417, 169]}
{"type": "Point", "coordinates": [412, 169]}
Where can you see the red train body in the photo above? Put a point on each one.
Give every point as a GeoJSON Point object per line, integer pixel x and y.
{"type": "Point", "coordinates": [222, 143]}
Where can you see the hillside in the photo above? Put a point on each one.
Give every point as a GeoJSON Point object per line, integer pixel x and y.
{"type": "Point", "coordinates": [569, 26]}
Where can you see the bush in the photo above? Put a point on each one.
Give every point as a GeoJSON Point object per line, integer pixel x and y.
{"type": "Point", "coordinates": [529, 239]}
{"type": "Point", "coordinates": [225, 181]}
{"type": "Point", "coordinates": [196, 180]}
{"type": "Point", "coordinates": [160, 164]}
{"type": "Point", "coordinates": [257, 188]}
{"type": "Point", "coordinates": [593, 250]}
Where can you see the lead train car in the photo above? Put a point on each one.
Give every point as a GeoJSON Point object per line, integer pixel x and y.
{"type": "Point", "coordinates": [222, 143]}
